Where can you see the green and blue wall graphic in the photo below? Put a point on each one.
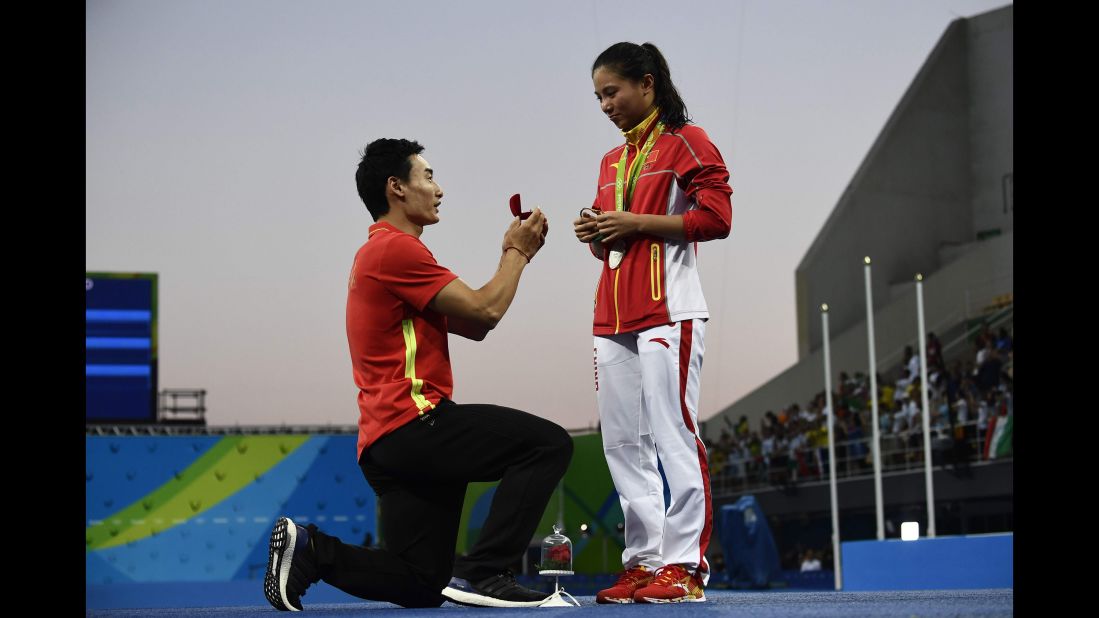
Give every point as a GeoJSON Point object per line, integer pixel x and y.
{"type": "Point", "coordinates": [200, 508]}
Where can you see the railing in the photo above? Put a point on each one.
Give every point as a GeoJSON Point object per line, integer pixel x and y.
{"type": "Point", "coordinates": [220, 430]}
{"type": "Point", "coordinates": [184, 405]}
{"type": "Point", "coordinates": [899, 452]}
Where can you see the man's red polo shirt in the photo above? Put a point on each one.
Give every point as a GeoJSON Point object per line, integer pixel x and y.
{"type": "Point", "coordinates": [399, 352]}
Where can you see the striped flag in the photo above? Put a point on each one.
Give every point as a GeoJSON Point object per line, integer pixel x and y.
{"type": "Point", "coordinates": [998, 443]}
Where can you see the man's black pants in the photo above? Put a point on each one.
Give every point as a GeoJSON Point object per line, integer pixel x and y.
{"type": "Point", "coordinates": [419, 473]}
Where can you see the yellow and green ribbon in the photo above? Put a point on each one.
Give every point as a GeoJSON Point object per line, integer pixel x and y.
{"type": "Point", "coordinates": [624, 184]}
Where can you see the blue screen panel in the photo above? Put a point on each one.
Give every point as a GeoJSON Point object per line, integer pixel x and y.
{"type": "Point", "coordinates": [120, 377]}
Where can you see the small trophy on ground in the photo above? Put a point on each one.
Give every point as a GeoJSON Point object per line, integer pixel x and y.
{"type": "Point", "coordinates": [557, 561]}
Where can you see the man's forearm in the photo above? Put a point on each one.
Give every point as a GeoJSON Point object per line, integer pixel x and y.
{"type": "Point", "coordinates": [466, 328]}
{"type": "Point", "coordinates": [496, 295]}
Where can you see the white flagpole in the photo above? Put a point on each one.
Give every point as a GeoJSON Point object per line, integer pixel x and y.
{"type": "Point", "coordinates": [876, 445]}
{"type": "Point", "coordinates": [926, 411]}
{"type": "Point", "coordinates": [829, 419]}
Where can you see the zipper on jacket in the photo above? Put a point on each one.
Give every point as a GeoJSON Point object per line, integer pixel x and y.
{"type": "Point", "coordinates": [617, 321]}
{"type": "Point", "coordinates": [655, 271]}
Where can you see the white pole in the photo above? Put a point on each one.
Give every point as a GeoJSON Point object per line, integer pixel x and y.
{"type": "Point", "coordinates": [829, 420]}
{"type": "Point", "coordinates": [876, 445]}
{"type": "Point", "coordinates": [561, 503]}
{"type": "Point", "coordinates": [926, 413]}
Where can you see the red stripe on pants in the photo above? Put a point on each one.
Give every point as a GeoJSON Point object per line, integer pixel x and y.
{"type": "Point", "coordinates": [686, 332]}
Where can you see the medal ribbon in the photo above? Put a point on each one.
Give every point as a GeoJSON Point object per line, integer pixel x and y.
{"type": "Point", "coordinates": [623, 186]}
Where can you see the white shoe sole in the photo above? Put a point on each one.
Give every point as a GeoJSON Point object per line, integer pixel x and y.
{"type": "Point", "coordinates": [680, 600]}
{"type": "Point", "coordinates": [280, 554]}
{"type": "Point", "coordinates": [477, 600]}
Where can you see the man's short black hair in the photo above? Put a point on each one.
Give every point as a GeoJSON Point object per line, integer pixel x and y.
{"type": "Point", "coordinates": [383, 158]}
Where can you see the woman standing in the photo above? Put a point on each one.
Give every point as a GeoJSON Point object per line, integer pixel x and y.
{"type": "Point", "coordinates": [658, 194]}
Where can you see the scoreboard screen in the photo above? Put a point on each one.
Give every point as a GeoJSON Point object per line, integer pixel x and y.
{"type": "Point", "coordinates": [120, 347]}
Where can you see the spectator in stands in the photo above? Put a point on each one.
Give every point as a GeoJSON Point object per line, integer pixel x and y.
{"type": "Point", "coordinates": [811, 562]}
{"type": "Point", "coordinates": [839, 437]}
{"type": "Point", "coordinates": [818, 438]}
{"type": "Point", "coordinates": [913, 432]}
{"type": "Point", "coordinates": [936, 383]}
{"type": "Point", "coordinates": [940, 419]}
{"type": "Point", "coordinates": [736, 461]}
{"type": "Point", "coordinates": [717, 462]}
{"type": "Point", "coordinates": [984, 345]}
{"type": "Point", "coordinates": [886, 395]}
{"type": "Point", "coordinates": [941, 445]}
{"type": "Point", "coordinates": [986, 408]}
{"type": "Point", "coordinates": [953, 381]}
{"type": "Point", "coordinates": [900, 419]}
{"type": "Point", "coordinates": [755, 457]}
{"type": "Point", "coordinates": [858, 449]}
{"type": "Point", "coordinates": [768, 422]}
{"type": "Point", "coordinates": [780, 461]}
{"type": "Point", "coordinates": [844, 385]}
{"type": "Point", "coordinates": [1008, 398]}
{"type": "Point", "coordinates": [1004, 343]}
{"type": "Point", "coordinates": [910, 368]}
{"type": "Point", "coordinates": [970, 391]}
{"type": "Point", "coordinates": [962, 434]}
{"type": "Point", "coordinates": [885, 420]}
{"type": "Point", "coordinates": [934, 354]}
{"type": "Point", "coordinates": [797, 448]}
{"type": "Point", "coordinates": [767, 445]}
{"type": "Point", "coordinates": [811, 413]}
{"type": "Point", "coordinates": [725, 441]}
{"type": "Point", "coordinates": [913, 367]}
{"type": "Point", "coordinates": [961, 413]}
{"type": "Point", "coordinates": [988, 369]}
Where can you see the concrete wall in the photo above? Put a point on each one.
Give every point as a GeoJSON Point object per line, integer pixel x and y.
{"type": "Point", "coordinates": [991, 116]}
{"type": "Point", "coordinates": [932, 181]}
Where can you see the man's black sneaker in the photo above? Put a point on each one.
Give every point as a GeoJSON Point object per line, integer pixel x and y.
{"type": "Point", "coordinates": [290, 566]}
{"type": "Point", "coordinates": [497, 591]}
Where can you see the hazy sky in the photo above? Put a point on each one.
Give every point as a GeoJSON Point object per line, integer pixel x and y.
{"type": "Point", "coordinates": [222, 140]}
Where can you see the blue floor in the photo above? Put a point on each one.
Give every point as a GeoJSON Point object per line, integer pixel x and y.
{"type": "Point", "coordinates": [249, 592]}
{"type": "Point", "coordinates": [818, 604]}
